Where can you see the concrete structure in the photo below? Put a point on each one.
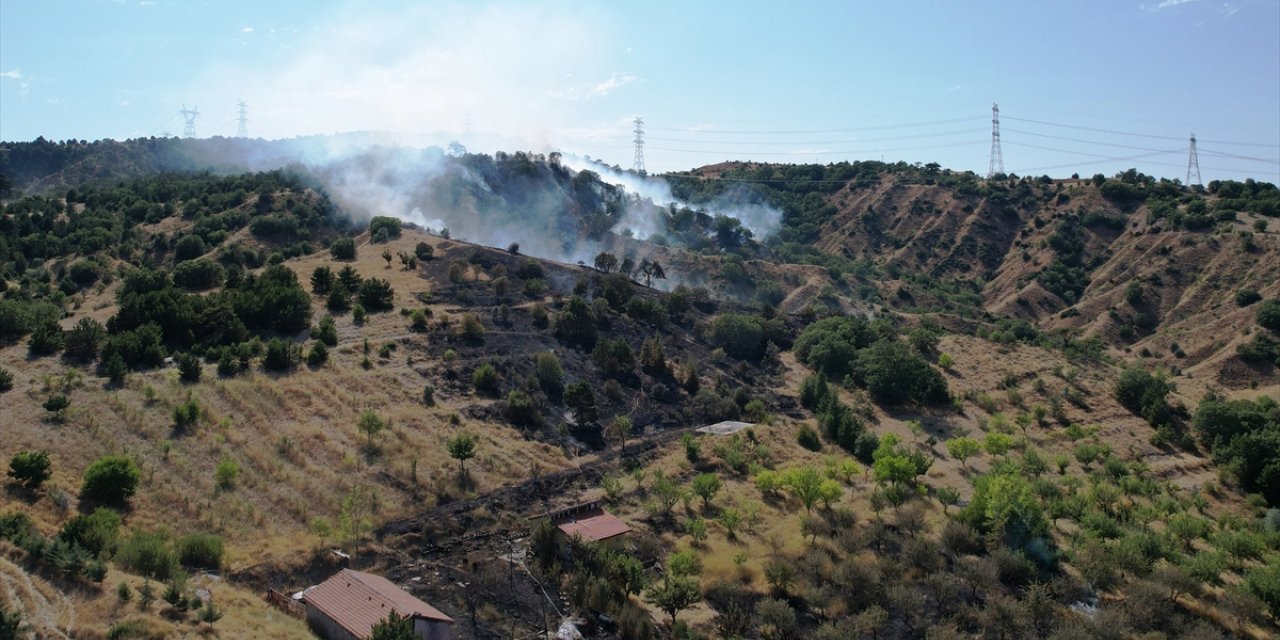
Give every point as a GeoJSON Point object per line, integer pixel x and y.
{"type": "Point", "coordinates": [349, 604]}
{"type": "Point", "coordinates": [724, 428]}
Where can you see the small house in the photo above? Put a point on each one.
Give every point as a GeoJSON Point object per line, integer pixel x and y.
{"type": "Point", "coordinates": [350, 603]}
{"type": "Point", "coordinates": [588, 522]}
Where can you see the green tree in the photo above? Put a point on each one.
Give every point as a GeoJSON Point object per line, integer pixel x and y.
{"type": "Point", "coordinates": [582, 401]}
{"type": "Point", "coordinates": [111, 480]}
{"type": "Point", "coordinates": [619, 427]}
{"type": "Point", "coordinates": [674, 594]}
{"type": "Point", "coordinates": [550, 374]}
{"type": "Point", "coordinates": [706, 486]}
{"type": "Point", "coordinates": [805, 483]}
{"type": "Point", "coordinates": [83, 340]}
{"type": "Point", "coordinates": [30, 468]}
{"type": "Point", "coordinates": [393, 627]}
{"type": "Point", "coordinates": [322, 280]}
{"type": "Point", "coordinates": [962, 449]}
{"type": "Point", "coordinates": [57, 405]}
{"type": "Point", "coordinates": [1268, 315]}
{"type": "Point", "coordinates": [343, 249]}
{"type": "Point", "coordinates": [462, 447]}
{"type": "Point", "coordinates": [370, 424]}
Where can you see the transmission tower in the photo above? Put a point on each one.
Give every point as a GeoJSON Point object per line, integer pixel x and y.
{"type": "Point", "coordinates": [242, 131]}
{"type": "Point", "coordinates": [997, 158]}
{"type": "Point", "coordinates": [189, 131]}
{"type": "Point", "coordinates": [1193, 163]}
{"type": "Point", "coordinates": [639, 131]}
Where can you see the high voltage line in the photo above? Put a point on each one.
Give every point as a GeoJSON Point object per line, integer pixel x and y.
{"type": "Point", "coordinates": [1141, 135]}
{"type": "Point", "coordinates": [856, 141]}
{"type": "Point", "coordinates": [814, 131]}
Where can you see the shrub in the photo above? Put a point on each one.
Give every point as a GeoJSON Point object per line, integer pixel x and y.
{"type": "Point", "coordinates": [226, 472]}
{"type": "Point", "coordinates": [30, 468]}
{"type": "Point", "coordinates": [521, 409]}
{"type": "Point", "coordinates": [83, 340]}
{"type": "Point", "coordinates": [1269, 315]}
{"type": "Point", "coordinates": [148, 554]}
{"type": "Point", "coordinates": [744, 336]}
{"type": "Point", "coordinates": [424, 251]}
{"type": "Point", "coordinates": [198, 274]}
{"type": "Point", "coordinates": [6, 380]}
{"type": "Point", "coordinates": [200, 551]}
{"type": "Point", "coordinates": [326, 332]}
{"type": "Point", "coordinates": [429, 395]}
{"type": "Point", "coordinates": [343, 249]}
{"type": "Point", "coordinates": [281, 355]}
{"type": "Point", "coordinates": [111, 480]}
{"type": "Point", "coordinates": [1246, 297]}
{"type": "Point", "coordinates": [384, 228]}
{"type": "Point", "coordinates": [485, 379]}
{"type": "Point", "coordinates": [186, 415]}
{"type": "Point", "coordinates": [47, 338]}
{"type": "Point", "coordinates": [95, 532]}
{"type": "Point", "coordinates": [471, 329]}
{"type": "Point", "coordinates": [318, 355]}
{"type": "Point", "coordinates": [807, 437]}
{"type": "Point", "coordinates": [895, 374]}
{"type": "Point", "coordinates": [376, 294]}
{"type": "Point", "coordinates": [550, 374]}
{"type": "Point", "coordinates": [189, 247]}
{"type": "Point", "coordinates": [614, 357]}
{"type": "Point", "coordinates": [188, 367]}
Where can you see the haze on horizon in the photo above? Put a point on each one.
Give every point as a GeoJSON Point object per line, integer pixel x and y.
{"type": "Point", "coordinates": [1090, 87]}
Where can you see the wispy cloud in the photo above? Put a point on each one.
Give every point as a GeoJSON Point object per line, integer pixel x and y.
{"type": "Point", "coordinates": [1228, 9]}
{"type": "Point", "coordinates": [1165, 4]}
{"type": "Point", "coordinates": [615, 81]}
{"type": "Point", "coordinates": [12, 74]}
{"type": "Point", "coordinates": [247, 30]}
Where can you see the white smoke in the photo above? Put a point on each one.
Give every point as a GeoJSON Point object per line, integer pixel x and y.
{"type": "Point", "coordinates": [761, 218]}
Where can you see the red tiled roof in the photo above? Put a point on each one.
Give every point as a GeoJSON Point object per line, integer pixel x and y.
{"type": "Point", "coordinates": [592, 525]}
{"type": "Point", "coordinates": [357, 601]}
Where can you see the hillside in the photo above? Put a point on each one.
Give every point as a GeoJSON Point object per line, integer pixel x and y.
{"type": "Point", "coordinates": [290, 375]}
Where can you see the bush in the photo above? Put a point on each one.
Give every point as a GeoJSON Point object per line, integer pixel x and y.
{"type": "Point", "coordinates": [376, 294]}
{"type": "Point", "coordinates": [343, 249]}
{"type": "Point", "coordinates": [200, 551]}
{"type": "Point", "coordinates": [521, 409]}
{"type": "Point", "coordinates": [614, 357]}
{"type": "Point", "coordinates": [30, 468]}
{"type": "Point", "coordinates": [6, 380]}
{"type": "Point", "coordinates": [111, 480]}
{"type": "Point", "coordinates": [189, 247]}
{"type": "Point", "coordinates": [326, 332]}
{"type": "Point", "coordinates": [281, 355]}
{"type": "Point", "coordinates": [198, 274]}
{"type": "Point", "coordinates": [1246, 297]}
{"type": "Point", "coordinates": [424, 251]}
{"type": "Point", "coordinates": [744, 336]}
{"type": "Point", "coordinates": [148, 554]}
{"type": "Point", "coordinates": [46, 339]}
{"type": "Point", "coordinates": [83, 340]}
{"type": "Point", "coordinates": [807, 437]}
{"type": "Point", "coordinates": [189, 368]}
{"type": "Point", "coordinates": [485, 379]}
{"type": "Point", "coordinates": [186, 415]}
{"type": "Point", "coordinates": [384, 228]}
{"type": "Point", "coordinates": [550, 374]}
{"type": "Point", "coordinates": [895, 374]}
{"type": "Point", "coordinates": [471, 329]}
{"type": "Point", "coordinates": [95, 532]}
{"type": "Point", "coordinates": [318, 355]}
{"type": "Point", "coordinates": [1269, 315]}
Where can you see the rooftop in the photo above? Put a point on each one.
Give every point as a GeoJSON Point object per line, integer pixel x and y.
{"type": "Point", "coordinates": [358, 600]}
{"type": "Point", "coordinates": [589, 522]}
{"type": "Point", "coordinates": [724, 428]}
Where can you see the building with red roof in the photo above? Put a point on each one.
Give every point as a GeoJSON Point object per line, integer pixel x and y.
{"type": "Point", "coordinates": [587, 522]}
{"type": "Point", "coordinates": [347, 605]}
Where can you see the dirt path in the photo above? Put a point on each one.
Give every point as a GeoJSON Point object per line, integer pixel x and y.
{"type": "Point", "coordinates": [27, 596]}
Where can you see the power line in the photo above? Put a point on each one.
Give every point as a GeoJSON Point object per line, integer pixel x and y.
{"type": "Point", "coordinates": [1232, 155]}
{"type": "Point", "coordinates": [966, 143]}
{"type": "Point", "coordinates": [814, 131]}
{"type": "Point", "coordinates": [1153, 152]}
{"type": "Point", "coordinates": [856, 141]}
{"type": "Point", "coordinates": [1138, 135]}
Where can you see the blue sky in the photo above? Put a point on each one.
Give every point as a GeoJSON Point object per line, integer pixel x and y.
{"type": "Point", "coordinates": [1093, 86]}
